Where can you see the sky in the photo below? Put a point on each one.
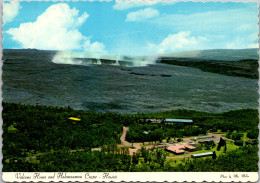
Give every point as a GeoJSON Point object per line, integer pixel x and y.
{"type": "Point", "coordinates": [130, 27]}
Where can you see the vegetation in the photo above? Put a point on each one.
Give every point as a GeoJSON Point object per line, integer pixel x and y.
{"type": "Point", "coordinates": [221, 143]}
{"type": "Point", "coordinates": [44, 129]}
{"type": "Point", "coordinates": [40, 138]}
{"type": "Point", "coordinates": [243, 159]}
{"type": "Point", "coordinates": [165, 131]}
{"type": "Point", "coordinates": [237, 122]}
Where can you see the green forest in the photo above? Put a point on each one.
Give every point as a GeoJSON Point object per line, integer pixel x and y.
{"type": "Point", "coordinates": [41, 138]}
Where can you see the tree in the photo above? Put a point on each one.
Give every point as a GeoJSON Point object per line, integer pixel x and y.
{"type": "Point", "coordinates": [228, 134]}
{"type": "Point", "coordinates": [135, 159]}
{"type": "Point", "coordinates": [220, 144]}
{"type": "Point", "coordinates": [214, 156]}
{"type": "Point", "coordinates": [207, 146]}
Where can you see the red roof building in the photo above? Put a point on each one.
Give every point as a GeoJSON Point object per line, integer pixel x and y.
{"type": "Point", "coordinates": [179, 149]}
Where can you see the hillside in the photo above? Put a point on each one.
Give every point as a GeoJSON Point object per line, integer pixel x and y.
{"type": "Point", "coordinates": [247, 68]}
{"type": "Point", "coordinates": [217, 54]}
{"type": "Point", "coordinates": [240, 63]}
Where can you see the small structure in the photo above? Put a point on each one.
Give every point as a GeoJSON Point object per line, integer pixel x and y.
{"type": "Point", "coordinates": [179, 149]}
{"type": "Point", "coordinates": [146, 132]}
{"type": "Point", "coordinates": [74, 120]}
{"type": "Point", "coordinates": [166, 120]}
{"type": "Point", "coordinates": [251, 142]}
{"type": "Point", "coordinates": [202, 155]}
{"type": "Point", "coordinates": [203, 137]}
{"type": "Point", "coordinates": [151, 120]}
{"type": "Point", "coordinates": [186, 121]}
{"type": "Point", "coordinates": [206, 141]}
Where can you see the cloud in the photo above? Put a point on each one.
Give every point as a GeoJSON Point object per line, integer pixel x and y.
{"type": "Point", "coordinates": [245, 27]}
{"type": "Point", "coordinates": [55, 29]}
{"type": "Point", "coordinates": [226, 23]}
{"type": "Point", "coordinates": [211, 21]}
{"type": "Point", "coordinates": [142, 15]}
{"type": "Point", "coordinates": [10, 11]}
{"type": "Point", "coordinates": [256, 45]}
{"type": "Point", "coordinates": [231, 28]}
{"type": "Point", "coordinates": [95, 47]}
{"type": "Point", "coordinates": [241, 43]}
{"type": "Point", "coordinates": [127, 4]}
{"type": "Point", "coordinates": [176, 42]}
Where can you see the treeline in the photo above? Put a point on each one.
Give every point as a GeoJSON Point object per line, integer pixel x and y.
{"type": "Point", "coordinates": [244, 159]}
{"type": "Point", "coordinates": [158, 132]}
{"type": "Point", "coordinates": [244, 120]}
{"type": "Point", "coordinates": [44, 129]}
{"type": "Point", "coordinates": [239, 120]}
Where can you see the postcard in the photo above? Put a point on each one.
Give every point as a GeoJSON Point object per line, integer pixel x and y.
{"type": "Point", "coordinates": [130, 90]}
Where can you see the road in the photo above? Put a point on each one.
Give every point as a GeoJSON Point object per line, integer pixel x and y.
{"type": "Point", "coordinates": [125, 143]}
{"type": "Point", "coordinates": [123, 136]}
{"type": "Point", "coordinates": [136, 145]}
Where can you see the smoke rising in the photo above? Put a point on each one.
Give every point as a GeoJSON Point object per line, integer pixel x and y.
{"type": "Point", "coordinates": [81, 58]}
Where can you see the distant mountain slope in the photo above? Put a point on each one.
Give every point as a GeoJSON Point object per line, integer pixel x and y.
{"type": "Point", "coordinates": [217, 54]}
{"type": "Point", "coordinates": [244, 68]}
{"type": "Point", "coordinates": [214, 54]}
{"type": "Point", "coordinates": [241, 63]}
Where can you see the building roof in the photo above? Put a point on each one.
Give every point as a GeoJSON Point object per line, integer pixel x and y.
{"type": "Point", "coordinates": [202, 137]}
{"type": "Point", "coordinates": [250, 142]}
{"type": "Point", "coordinates": [178, 120]}
{"type": "Point", "coordinates": [180, 148]}
{"type": "Point", "coordinates": [151, 120]}
{"type": "Point", "coordinates": [203, 154]}
{"type": "Point", "coordinates": [74, 119]}
{"type": "Point", "coordinates": [195, 145]}
{"type": "Point", "coordinates": [146, 132]}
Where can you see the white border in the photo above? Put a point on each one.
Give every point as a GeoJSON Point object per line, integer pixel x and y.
{"type": "Point", "coordinates": [119, 176]}
{"type": "Point", "coordinates": [129, 177]}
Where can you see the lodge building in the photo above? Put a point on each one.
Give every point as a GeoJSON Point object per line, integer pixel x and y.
{"type": "Point", "coordinates": [165, 120]}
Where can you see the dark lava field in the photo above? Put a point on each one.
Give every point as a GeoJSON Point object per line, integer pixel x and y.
{"type": "Point", "coordinates": [30, 77]}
